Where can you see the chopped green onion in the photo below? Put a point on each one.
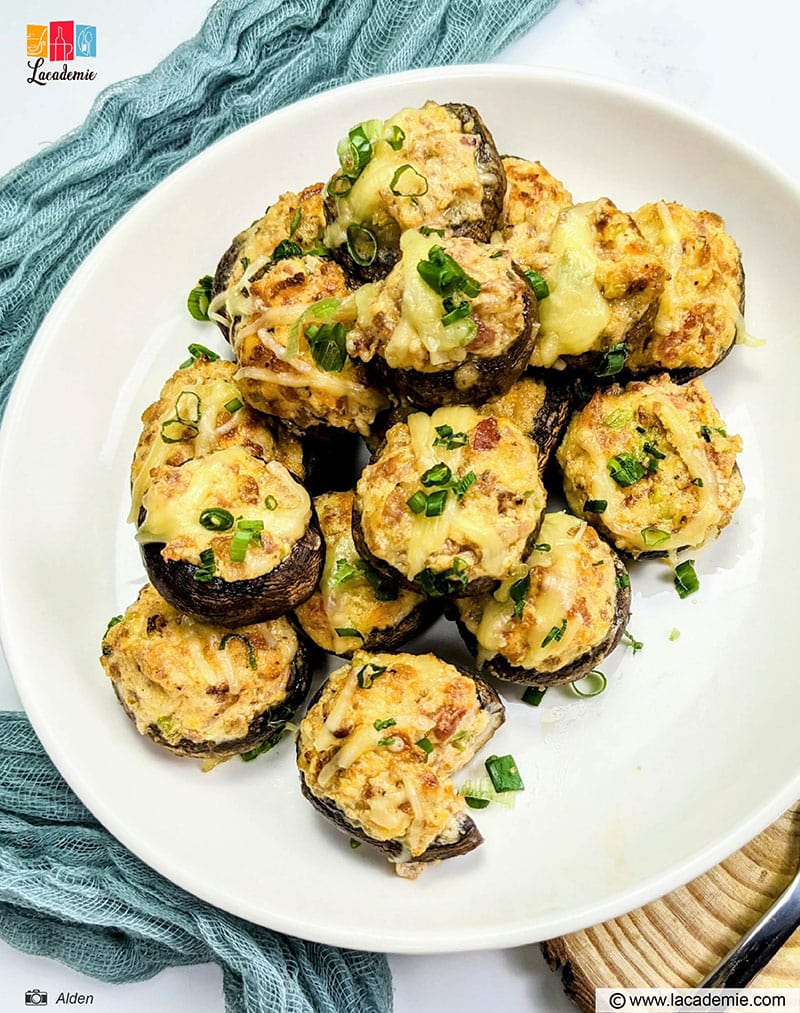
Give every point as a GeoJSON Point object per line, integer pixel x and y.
{"type": "Point", "coordinates": [386, 723]}
{"type": "Point", "coordinates": [698, 482]}
{"type": "Point", "coordinates": [595, 506]}
{"type": "Point", "coordinates": [113, 622]}
{"type": "Point", "coordinates": [387, 742]}
{"type": "Point", "coordinates": [534, 695]}
{"type": "Point", "coordinates": [362, 244]}
{"type": "Point", "coordinates": [623, 580]}
{"type": "Point", "coordinates": [652, 536]}
{"type": "Point", "coordinates": [686, 579]}
{"type": "Point", "coordinates": [618, 418]}
{"type": "Point", "coordinates": [200, 297]}
{"type": "Point", "coordinates": [216, 519]}
{"type": "Point", "coordinates": [541, 547]}
{"type": "Point", "coordinates": [426, 230]}
{"type": "Point", "coordinates": [447, 582]}
{"type": "Point", "coordinates": [243, 525]}
{"type": "Point", "coordinates": [476, 803]}
{"type": "Point", "coordinates": [614, 360]}
{"type": "Point", "coordinates": [296, 219]}
{"type": "Point", "coordinates": [436, 502]}
{"type": "Point", "coordinates": [395, 137]}
{"type": "Point", "coordinates": [233, 405]}
{"type": "Point", "coordinates": [630, 641]}
{"type": "Point", "coordinates": [286, 249]}
{"type": "Point", "coordinates": [343, 571]}
{"type": "Point", "coordinates": [504, 774]}
{"type": "Point", "coordinates": [415, 185]}
{"type": "Point", "coordinates": [201, 352]}
{"type": "Point", "coordinates": [439, 474]}
{"type": "Point", "coordinates": [537, 282]}
{"type": "Point", "coordinates": [518, 593]}
{"type": "Point", "coordinates": [705, 432]}
{"type": "Point", "coordinates": [320, 311]}
{"type": "Point", "coordinates": [354, 151]}
{"type": "Point", "coordinates": [417, 502]}
{"type": "Point", "coordinates": [269, 743]}
{"type": "Point", "coordinates": [187, 407]}
{"type": "Point", "coordinates": [245, 532]}
{"type": "Point", "coordinates": [251, 654]}
{"type": "Point", "coordinates": [208, 567]}
{"type": "Point", "coordinates": [479, 793]}
{"type": "Point", "coordinates": [448, 439]}
{"type": "Point", "coordinates": [368, 674]}
{"type": "Point", "coordinates": [354, 843]}
{"type": "Point", "coordinates": [494, 256]}
{"type": "Point", "coordinates": [184, 433]}
{"type": "Point", "coordinates": [674, 633]}
{"type": "Point", "coordinates": [592, 684]}
{"type": "Point", "coordinates": [317, 250]}
{"type": "Point", "coordinates": [556, 633]}
{"type": "Point", "coordinates": [461, 485]}
{"type": "Point", "coordinates": [455, 311]}
{"type": "Point", "coordinates": [441, 273]}
{"type": "Point", "coordinates": [270, 502]}
{"type": "Point", "coordinates": [425, 745]}
{"type": "Point", "coordinates": [457, 741]}
{"type": "Point", "coordinates": [328, 344]}
{"type": "Point", "coordinates": [625, 469]}
{"type": "Point", "coordinates": [653, 451]}
{"type": "Point", "coordinates": [340, 186]}
{"type": "Point", "coordinates": [245, 262]}
{"type": "Point", "coordinates": [348, 631]}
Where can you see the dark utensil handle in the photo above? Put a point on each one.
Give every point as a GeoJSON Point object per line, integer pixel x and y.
{"type": "Point", "coordinates": [761, 943]}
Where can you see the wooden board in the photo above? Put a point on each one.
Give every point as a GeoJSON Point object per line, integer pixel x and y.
{"type": "Point", "coordinates": [677, 940]}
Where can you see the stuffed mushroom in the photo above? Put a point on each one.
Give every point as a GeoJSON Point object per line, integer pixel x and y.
{"type": "Point", "coordinates": [377, 748]}
{"type": "Point", "coordinates": [701, 307]}
{"type": "Point", "coordinates": [453, 323]}
{"type": "Point", "coordinates": [201, 690]}
{"type": "Point", "coordinates": [435, 167]}
{"type": "Point", "coordinates": [652, 466]}
{"type": "Point", "coordinates": [534, 201]}
{"type": "Point", "coordinates": [558, 616]}
{"type": "Point", "coordinates": [451, 504]}
{"type": "Point", "coordinates": [354, 606]}
{"type": "Point", "coordinates": [230, 538]}
{"type": "Point", "coordinates": [200, 410]}
{"type": "Point", "coordinates": [604, 282]}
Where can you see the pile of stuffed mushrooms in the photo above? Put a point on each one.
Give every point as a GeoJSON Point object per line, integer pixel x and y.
{"type": "Point", "coordinates": [492, 342]}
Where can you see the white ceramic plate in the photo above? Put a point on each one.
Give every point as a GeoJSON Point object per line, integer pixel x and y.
{"type": "Point", "coordinates": [693, 748]}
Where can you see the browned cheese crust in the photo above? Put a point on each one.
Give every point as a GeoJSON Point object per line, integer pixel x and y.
{"type": "Point", "coordinates": [534, 200]}
{"type": "Point", "coordinates": [703, 298]}
{"type": "Point", "coordinates": [678, 483]}
{"type": "Point", "coordinates": [201, 690]}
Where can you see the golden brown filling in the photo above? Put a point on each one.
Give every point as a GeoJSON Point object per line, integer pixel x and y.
{"type": "Point", "coordinates": [534, 200]}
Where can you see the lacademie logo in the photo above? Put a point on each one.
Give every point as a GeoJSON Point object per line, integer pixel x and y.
{"type": "Point", "coordinates": [60, 42]}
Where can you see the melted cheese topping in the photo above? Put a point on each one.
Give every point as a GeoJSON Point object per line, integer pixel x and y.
{"type": "Point", "coordinates": [171, 674]}
{"type": "Point", "coordinates": [199, 394]}
{"type": "Point", "coordinates": [350, 603]}
{"type": "Point", "coordinates": [402, 322]}
{"type": "Point", "coordinates": [438, 148]}
{"type": "Point", "coordinates": [603, 278]}
{"type": "Point", "coordinates": [693, 491]}
{"type": "Point", "coordinates": [278, 374]}
{"type": "Point", "coordinates": [574, 581]}
{"type": "Point", "coordinates": [230, 480]}
{"type": "Point", "coordinates": [383, 782]}
{"type": "Point", "coordinates": [488, 529]}
{"type": "Point", "coordinates": [699, 309]}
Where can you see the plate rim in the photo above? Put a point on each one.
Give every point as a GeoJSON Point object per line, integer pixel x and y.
{"type": "Point", "coordinates": [679, 872]}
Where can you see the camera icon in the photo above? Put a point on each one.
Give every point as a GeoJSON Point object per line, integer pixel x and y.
{"type": "Point", "coordinates": [35, 997]}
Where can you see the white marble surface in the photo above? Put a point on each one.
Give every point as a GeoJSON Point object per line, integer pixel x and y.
{"type": "Point", "coordinates": [732, 62]}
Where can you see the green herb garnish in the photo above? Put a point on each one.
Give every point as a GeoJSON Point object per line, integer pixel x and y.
{"type": "Point", "coordinates": [625, 469]}
{"type": "Point", "coordinates": [208, 567]}
{"type": "Point", "coordinates": [362, 244]}
{"type": "Point", "coordinates": [216, 519]}
{"type": "Point", "coordinates": [686, 580]}
{"type": "Point", "coordinates": [592, 684]}
{"type": "Point", "coordinates": [613, 360]}
{"type": "Point", "coordinates": [233, 405]}
{"type": "Point", "coordinates": [251, 654]}
{"type": "Point", "coordinates": [200, 297]}
{"type": "Point", "coordinates": [386, 723]}
{"type": "Point", "coordinates": [451, 581]}
{"type": "Point", "coordinates": [534, 695]}
{"type": "Point", "coordinates": [518, 593]}
{"type": "Point", "coordinates": [439, 474]}
{"type": "Point", "coordinates": [595, 506]}
{"type": "Point", "coordinates": [504, 774]}
{"type": "Point", "coordinates": [556, 633]}
{"type": "Point", "coordinates": [328, 344]}
{"type": "Point", "coordinates": [446, 277]}
{"type": "Point", "coordinates": [652, 536]}
{"type": "Point", "coordinates": [630, 641]}
{"type": "Point", "coordinates": [407, 182]}
{"type": "Point", "coordinates": [537, 282]}
{"type": "Point", "coordinates": [448, 439]}
{"type": "Point", "coordinates": [348, 631]}
{"type": "Point", "coordinates": [368, 674]}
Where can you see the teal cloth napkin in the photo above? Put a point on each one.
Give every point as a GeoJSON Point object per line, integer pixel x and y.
{"type": "Point", "coordinates": [67, 888]}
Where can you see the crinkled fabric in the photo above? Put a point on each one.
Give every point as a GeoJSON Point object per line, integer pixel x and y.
{"type": "Point", "coordinates": [71, 891]}
{"type": "Point", "coordinates": [68, 889]}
